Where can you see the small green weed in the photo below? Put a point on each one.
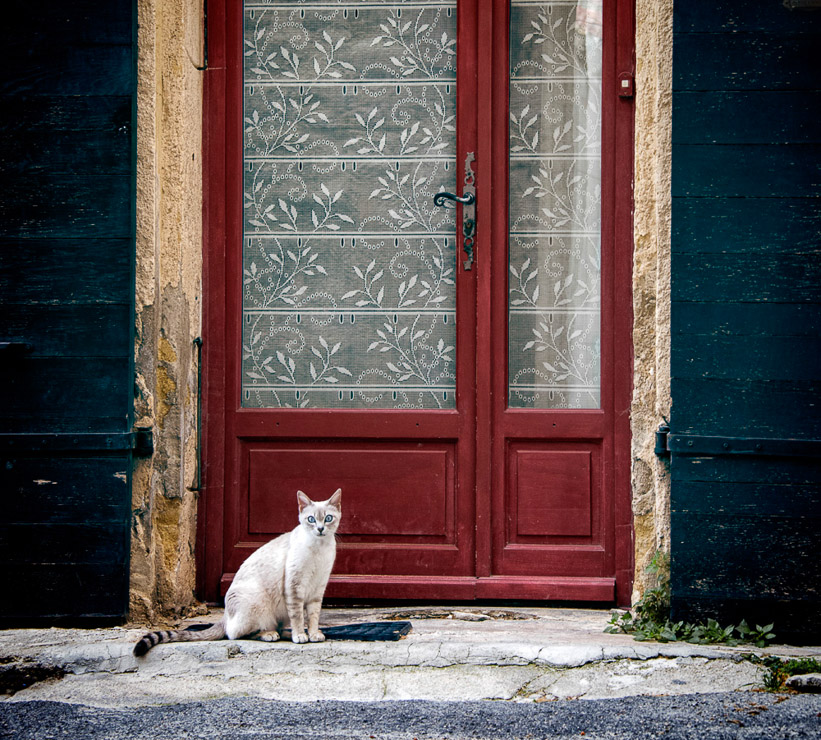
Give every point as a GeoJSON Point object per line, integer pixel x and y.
{"type": "Point", "coordinates": [649, 619]}
{"type": "Point", "coordinates": [760, 636]}
{"type": "Point", "coordinates": [778, 670]}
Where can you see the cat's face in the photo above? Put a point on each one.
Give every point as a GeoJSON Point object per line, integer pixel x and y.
{"type": "Point", "coordinates": [320, 518]}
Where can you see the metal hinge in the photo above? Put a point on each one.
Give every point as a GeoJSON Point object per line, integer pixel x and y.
{"type": "Point", "coordinates": [713, 446]}
{"type": "Point", "coordinates": [661, 440]}
{"type": "Point", "coordinates": [140, 442]}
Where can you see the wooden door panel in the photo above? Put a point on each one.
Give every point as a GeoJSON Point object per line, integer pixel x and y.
{"type": "Point", "coordinates": [556, 512]}
{"type": "Point", "coordinates": [550, 493]}
{"type": "Point", "coordinates": [400, 502]}
{"type": "Point", "coordinates": [344, 295]}
{"type": "Point", "coordinates": [392, 492]}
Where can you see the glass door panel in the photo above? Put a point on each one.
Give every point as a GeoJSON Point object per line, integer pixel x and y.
{"type": "Point", "coordinates": [349, 269]}
{"type": "Point", "coordinates": [554, 348]}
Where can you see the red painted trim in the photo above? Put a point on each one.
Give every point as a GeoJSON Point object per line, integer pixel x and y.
{"type": "Point", "coordinates": [623, 318]}
{"type": "Point", "coordinates": [254, 423]}
{"type": "Point", "coordinates": [469, 589]}
{"type": "Point", "coordinates": [465, 588]}
{"type": "Point", "coordinates": [496, 297]}
{"type": "Point", "coordinates": [484, 250]}
{"type": "Point", "coordinates": [232, 523]}
{"type": "Point", "coordinates": [547, 589]}
{"type": "Point", "coordinates": [211, 504]}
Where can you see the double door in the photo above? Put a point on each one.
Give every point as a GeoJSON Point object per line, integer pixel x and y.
{"type": "Point", "coordinates": [459, 365]}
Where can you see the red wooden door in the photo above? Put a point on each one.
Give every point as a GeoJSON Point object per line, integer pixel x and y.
{"type": "Point", "coordinates": [477, 430]}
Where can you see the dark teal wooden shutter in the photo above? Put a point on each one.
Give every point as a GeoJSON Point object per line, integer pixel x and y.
{"type": "Point", "coordinates": [67, 250]}
{"type": "Point", "coordinates": [746, 289]}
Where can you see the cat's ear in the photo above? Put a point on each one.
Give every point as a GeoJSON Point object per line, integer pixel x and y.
{"type": "Point", "coordinates": [336, 499]}
{"type": "Point", "coordinates": [303, 500]}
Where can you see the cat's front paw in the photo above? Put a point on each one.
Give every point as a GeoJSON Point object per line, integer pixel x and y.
{"type": "Point", "coordinates": [316, 636]}
{"type": "Point", "coordinates": [299, 637]}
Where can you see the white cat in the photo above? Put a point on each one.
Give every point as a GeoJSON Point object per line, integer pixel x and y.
{"type": "Point", "coordinates": [279, 584]}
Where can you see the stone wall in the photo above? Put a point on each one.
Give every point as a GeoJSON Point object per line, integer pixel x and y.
{"type": "Point", "coordinates": [651, 280]}
{"type": "Point", "coordinates": [169, 267]}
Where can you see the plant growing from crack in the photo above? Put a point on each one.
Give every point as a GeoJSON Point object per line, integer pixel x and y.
{"type": "Point", "coordinates": [649, 618]}
{"type": "Point", "coordinates": [778, 670]}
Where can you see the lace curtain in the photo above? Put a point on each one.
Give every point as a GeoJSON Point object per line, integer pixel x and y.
{"type": "Point", "coordinates": [349, 269]}
{"type": "Point", "coordinates": [555, 204]}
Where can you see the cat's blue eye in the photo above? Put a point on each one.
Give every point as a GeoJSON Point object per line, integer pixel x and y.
{"type": "Point", "coordinates": [311, 520]}
{"type": "Point", "coordinates": [329, 518]}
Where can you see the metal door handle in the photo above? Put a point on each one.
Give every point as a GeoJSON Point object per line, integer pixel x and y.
{"type": "Point", "coordinates": [440, 198]}
{"type": "Point", "coordinates": [468, 201]}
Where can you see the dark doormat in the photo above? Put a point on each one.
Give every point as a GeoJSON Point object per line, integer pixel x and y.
{"type": "Point", "coordinates": [366, 631]}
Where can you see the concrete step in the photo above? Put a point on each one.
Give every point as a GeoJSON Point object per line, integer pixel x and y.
{"type": "Point", "coordinates": [465, 653]}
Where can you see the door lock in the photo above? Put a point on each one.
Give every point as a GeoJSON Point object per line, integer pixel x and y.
{"type": "Point", "coordinates": [468, 201]}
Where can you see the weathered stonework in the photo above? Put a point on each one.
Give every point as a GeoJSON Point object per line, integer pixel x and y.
{"type": "Point", "coordinates": [169, 268]}
{"type": "Point", "coordinates": [651, 280]}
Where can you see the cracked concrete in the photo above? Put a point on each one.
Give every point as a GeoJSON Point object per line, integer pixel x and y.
{"type": "Point", "coordinates": [548, 655]}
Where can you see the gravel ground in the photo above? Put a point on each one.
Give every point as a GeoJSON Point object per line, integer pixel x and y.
{"type": "Point", "coordinates": [744, 715]}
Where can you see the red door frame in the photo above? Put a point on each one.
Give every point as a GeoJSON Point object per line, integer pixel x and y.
{"type": "Point", "coordinates": [222, 218]}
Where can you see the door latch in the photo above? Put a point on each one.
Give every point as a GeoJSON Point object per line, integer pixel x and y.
{"type": "Point", "coordinates": [468, 201]}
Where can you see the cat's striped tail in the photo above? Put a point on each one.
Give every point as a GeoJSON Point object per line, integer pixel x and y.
{"type": "Point", "coordinates": [214, 632]}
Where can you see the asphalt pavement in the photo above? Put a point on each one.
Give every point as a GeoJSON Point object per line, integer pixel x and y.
{"type": "Point", "coordinates": [725, 716]}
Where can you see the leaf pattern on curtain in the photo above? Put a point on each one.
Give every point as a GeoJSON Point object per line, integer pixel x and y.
{"type": "Point", "coordinates": [555, 204]}
{"type": "Point", "coordinates": [348, 268]}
